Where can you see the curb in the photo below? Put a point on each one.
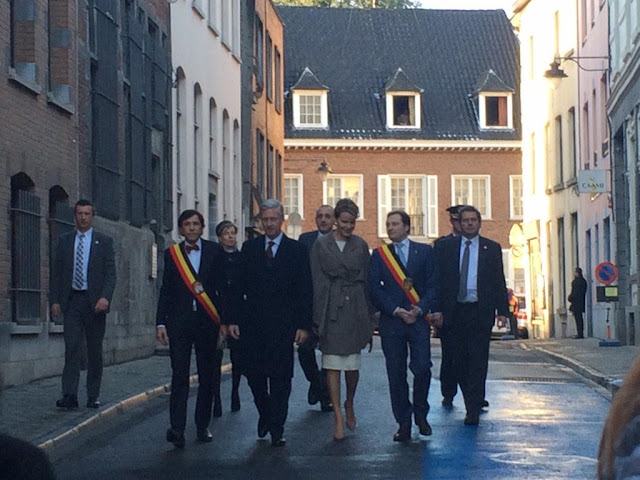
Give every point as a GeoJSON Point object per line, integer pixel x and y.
{"type": "Point", "coordinates": [119, 408]}
{"type": "Point", "coordinates": [611, 384]}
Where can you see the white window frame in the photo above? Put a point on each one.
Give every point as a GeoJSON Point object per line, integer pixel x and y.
{"type": "Point", "coordinates": [486, 215]}
{"type": "Point", "coordinates": [482, 102]}
{"type": "Point", "coordinates": [300, 178]}
{"type": "Point", "coordinates": [360, 178]}
{"type": "Point", "coordinates": [324, 115]}
{"type": "Point", "coordinates": [512, 215]}
{"type": "Point", "coordinates": [429, 195]}
{"type": "Point", "coordinates": [418, 110]}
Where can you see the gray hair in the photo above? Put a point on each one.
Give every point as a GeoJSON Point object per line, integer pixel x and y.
{"type": "Point", "coordinates": [272, 203]}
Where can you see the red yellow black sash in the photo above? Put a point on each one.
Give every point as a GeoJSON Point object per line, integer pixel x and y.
{"type": "Point", "coordinates": [398, 273]}
{"type": "Point", "coordinates": [192, 283]}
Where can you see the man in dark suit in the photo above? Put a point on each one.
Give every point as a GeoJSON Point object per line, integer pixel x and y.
{"type": "Point", "coordinates": [187, 317]}
{"type": "Point", "coordinates": [403, 285]}
{"type": "Point", "coordinates": [448, 382]}
{"type": "Point", "coordinates": [307, 352]}
{"type": "Point", "coordinates": [472, 288]}
{"type": "Point", "coordinates": [278, 293]}
{"type": "Point", "coordinates": [577, 300]}
{"type": "Point", "coordinates": [84, 277]}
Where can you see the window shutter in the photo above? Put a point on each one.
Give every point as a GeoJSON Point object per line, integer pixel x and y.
{"type": "Point", "coordinates": [432, 206]}
{"type": "Point", "coordinates": [383, 204]}
{"type": "Point", "coordinates": [502, 112]}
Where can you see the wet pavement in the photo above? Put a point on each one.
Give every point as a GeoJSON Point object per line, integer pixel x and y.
{"type": "Point", "coordinates": [544, 422]}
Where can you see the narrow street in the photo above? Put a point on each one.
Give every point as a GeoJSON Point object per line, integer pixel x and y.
{"type": "Point", "coordinates": [544, 422]}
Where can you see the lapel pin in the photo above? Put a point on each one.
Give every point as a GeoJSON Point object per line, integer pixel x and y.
{"type": "Point", "coordinates": [484, 247]}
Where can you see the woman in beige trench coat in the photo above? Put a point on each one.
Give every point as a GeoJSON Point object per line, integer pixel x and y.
{"type": "Point", "coordinates": [341, 309]}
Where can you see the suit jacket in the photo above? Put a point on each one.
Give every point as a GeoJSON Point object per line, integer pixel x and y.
{"type": "Point", "coordinates": [308, 239]}
{"type": "Point", "coordinates": [101, 271]}
{"type": "Point", "coordinates": [386, 294]}
{"type": "Point", "coordinates": [577, 295]}
{"type": "Point", "coordinates": [278, 302]}
{"type": "Point", "coordinates": [492, 291]}
{"type": "Point", "coordinates": [176, 300]}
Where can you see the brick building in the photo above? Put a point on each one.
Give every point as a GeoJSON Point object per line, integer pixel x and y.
{"type": "Point", "coordinates": [84, 89]}
{"type": "Point", "coordinates": [410, 109]}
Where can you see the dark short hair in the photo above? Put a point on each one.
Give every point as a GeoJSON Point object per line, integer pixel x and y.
{"type": "Point", "coordinates": [470, 208]}
{"type": "Point", "coordinates": [454, 211]}
{"type": "Point", "coordinates": [346, 205]}
{"type": "Point", "coordinates": [188, 214]}
{"type": "Point", "coordinates": [579, 271]}
{"type": "Point", "coordinates": [83, 202]}
{"type": "Point", "coordinates": [406, 219]}
{"type": "Point", "coordinates": [223, 225]}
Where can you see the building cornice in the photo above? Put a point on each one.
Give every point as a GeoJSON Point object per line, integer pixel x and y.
{"type": "Point", "coordinates": [391, 144]}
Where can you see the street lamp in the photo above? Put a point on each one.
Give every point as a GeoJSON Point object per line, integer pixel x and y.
{"type": "Point", "coordinates": [324, 170]}
{"type": "Point", "coordinates": [555, 73]}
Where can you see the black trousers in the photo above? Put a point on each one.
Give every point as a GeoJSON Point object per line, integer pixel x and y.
{"type": "Point", "coordinates": [579, 323]}
{"type": "Point", "coordinates": [315, 376]}
{"type": "Point", "coordinates": [192, 330]}
{"type": "Point", "coordinates": [448, 379]}
{"type": "Point", "coordinates": [472, 338]}
{"type": "Point", "coordinates": [271, 396]}
{"type": "Point", "coordinates": [80, 319]}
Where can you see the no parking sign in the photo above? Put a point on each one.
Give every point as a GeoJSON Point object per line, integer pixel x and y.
{"type": "Point", "coordinates": [606, 273]}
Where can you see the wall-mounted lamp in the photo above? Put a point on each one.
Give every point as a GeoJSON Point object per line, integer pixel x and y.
{"type": "Point", "coordinates": [324, 170]}
{"type": "Point", "coordinates": [555, 73]}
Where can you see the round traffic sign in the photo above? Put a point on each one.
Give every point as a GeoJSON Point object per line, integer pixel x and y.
{"type": "Point", "coordinates": [606, 273]}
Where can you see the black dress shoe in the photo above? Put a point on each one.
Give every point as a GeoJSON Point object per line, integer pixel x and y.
{"type": "Point", "coordinates": [176, 437]}
{"type": "Point", "coordinates": [235, 401]}
{"type": "Point", "coordinates": [93, 402]}
{"type": "Point", "coordinates": [423, 425]}
{"type": "Point", "coordinates": [403, 434]}
{"type": "Point", "coordinates": [278, 441]}
{"type": "Point", "coordinates": [313, 396]}
{"type": "Point", "coordinates": [485, 404]}
{"type": "Point", "coordinates": [447, 402]}
{"type": "Point", "coordinates": [204, 436]}
{"type": "Point", "coordinates": [326, 405]}
{"type": "Point", "coordinates": [217, 408]}
{"type": "Point", "coordinates": [472, 419]}
{"type": "Point", "coordinates": [263, 427]}
{"type": "Point", "coordinates": [68, 402]}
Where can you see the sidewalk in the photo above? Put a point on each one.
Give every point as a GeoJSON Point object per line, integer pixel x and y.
{"type": "Point", "coordinates": [29, 412]}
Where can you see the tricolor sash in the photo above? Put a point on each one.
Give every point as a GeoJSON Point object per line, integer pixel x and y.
{"type": "Point", "coordinates": [192, 283]}
{"type": "Point", "coordinates": [398, 273]}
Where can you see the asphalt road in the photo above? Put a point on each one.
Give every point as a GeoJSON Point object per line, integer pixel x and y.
{"type": "Point", "coordinates": [543, 423]}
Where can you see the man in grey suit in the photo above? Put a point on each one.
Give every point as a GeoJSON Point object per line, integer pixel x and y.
{"type": "Point", "coordinates": [84, 277]}
{"type": "Point", "coordinates": [307, 351]}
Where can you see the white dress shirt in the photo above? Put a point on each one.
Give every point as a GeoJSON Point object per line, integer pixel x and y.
{"type": "Point", "coordinates": [276, 243]}
{"type": "Point", "coordinates": [86, 250]}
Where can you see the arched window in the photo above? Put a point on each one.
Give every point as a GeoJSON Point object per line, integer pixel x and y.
{"type": "Point", "coordinates": [60, 221]}
{"type": "Point", "coordinates": [25, 251]}
{"type": "Point", "coordinates": [213, 131]}
{"type": "Point", "coordinates": [227, 181]}
{"type": "Point", "coordinates": [179, 129]}
{"type": "Point", "coordinates": [197, 140]}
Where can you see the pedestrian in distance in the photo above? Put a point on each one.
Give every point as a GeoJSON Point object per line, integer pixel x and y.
{"type": "Point", "coordinates": [278, 291]}
{"type": "Point", "coordinates": [448, 381]}
{"type": "Point", "coordinates": [84, 278]}
{"type": "Point", "coordinates": [472, 288]}
{"type": "Point", "coordinates": [342, 312]}
{"type": "Point", "coordinates": [232, 265]}
{"type": "Point", "coordinates": [577, 300]}
{"type": "Point", "coordinates": [403, 284]}
{"type": "Point", "coordinates": [307, 351]}
{"type": "Point", "coordinates": [188, 317]}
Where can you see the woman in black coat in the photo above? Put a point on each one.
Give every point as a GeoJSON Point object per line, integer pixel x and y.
{"type": "Point", "coordinates": [577, 299]}
{"type": "Point", "coordinates": [232, 273]}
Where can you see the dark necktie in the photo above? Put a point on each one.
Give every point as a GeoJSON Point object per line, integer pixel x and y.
{"type": "Point", "coordinates": [78, 274]}
{"type": "Point", "coordinates": [191, 248]}
{"type": "Point", "coordinates": [400, 253]}
{"type": "Point", "coordinates": [464, 273]}
{"type": "Point", "coordinates": [269, 251]}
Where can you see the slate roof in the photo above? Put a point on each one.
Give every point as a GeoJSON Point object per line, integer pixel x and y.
{"type": "Point", "coordinates": [490, 82]}
{"type": "Point", "coordinates": [401, 83]}
{"type": "Point", "coordinates": [356, 53]}
{"type": "Point", "coordinates": [308, 81]}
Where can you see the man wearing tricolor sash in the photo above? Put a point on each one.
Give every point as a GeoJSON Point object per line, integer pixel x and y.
{"type": "Point", "coordinates": [188, 316]}
{"type": "Point", "coordinates": [403, 285]}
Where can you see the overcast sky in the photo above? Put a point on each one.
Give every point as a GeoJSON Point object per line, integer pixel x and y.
{"type": "Point", "coordinates": [469, 4]}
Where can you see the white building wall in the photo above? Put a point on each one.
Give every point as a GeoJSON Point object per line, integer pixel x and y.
{"type": "Point", "coordinates": [206, 59]}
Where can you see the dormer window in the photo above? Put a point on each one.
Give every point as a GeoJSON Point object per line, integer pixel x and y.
{"type": "Point", "coordinates": [496, 110]}
{"type": "Point", "coordinates": [403, 110]}
{"type": "Point", "coordinates": [310, 102]}
{"type": "Point", "coordinates": [495, 102]}
{"type": "Point", "coordinates": [403, 102]}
